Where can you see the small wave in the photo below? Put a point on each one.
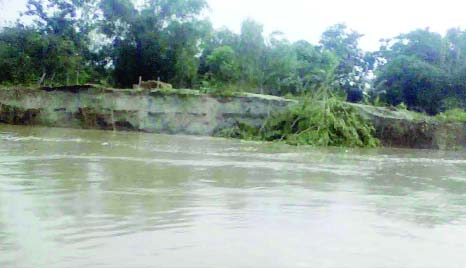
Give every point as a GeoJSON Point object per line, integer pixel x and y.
{"type": "Point", "coordinates": [32, 138]}
{"type": "Point", "coordinates": [278, 166]}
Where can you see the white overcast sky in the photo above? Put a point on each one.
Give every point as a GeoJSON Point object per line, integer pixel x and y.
{"type": "Point", "coordinates": [307, 19]}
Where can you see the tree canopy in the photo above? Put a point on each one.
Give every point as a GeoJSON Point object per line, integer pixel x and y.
{"type": "Point", "coordinates": [424, 70]}
{"type": "Point", "coordinates": [115, 42]}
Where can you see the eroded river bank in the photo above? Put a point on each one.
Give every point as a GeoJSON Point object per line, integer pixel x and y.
{"type": "Point", "coordinates": [192, 113]}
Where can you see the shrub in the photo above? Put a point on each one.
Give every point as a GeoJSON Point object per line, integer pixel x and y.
{"type": "Point", "coordinates": [317, 121]}
{"type": "Point", "coordinates": [452, 116]}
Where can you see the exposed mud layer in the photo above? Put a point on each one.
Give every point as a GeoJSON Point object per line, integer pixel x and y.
{"type": "Point", "coordinates": [18, 116]}
{"type": "Point", "coordinates": [421, 135]}
{"type": "Point", "coordinates": [188, 112]}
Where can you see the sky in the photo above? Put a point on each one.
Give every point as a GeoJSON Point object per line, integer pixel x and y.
{"type": "Point", "coordinates": [307, 19]}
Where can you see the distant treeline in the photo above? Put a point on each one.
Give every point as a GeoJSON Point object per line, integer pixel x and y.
{"type": "Point", "coordinates": [114, 42]}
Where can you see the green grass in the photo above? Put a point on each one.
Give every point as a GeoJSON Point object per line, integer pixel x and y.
{"type": "Point", "coordinates": [453, 116]}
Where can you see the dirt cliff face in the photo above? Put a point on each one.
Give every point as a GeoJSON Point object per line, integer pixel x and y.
{"type": "Point", "coordinates": [157, 111]}
{"type": "Point", "coordinates": [412, 130]}
{"type": "Point", "coordinates": [192, 113]}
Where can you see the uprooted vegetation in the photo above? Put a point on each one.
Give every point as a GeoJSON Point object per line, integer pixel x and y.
{"type": "Point", "coordinates": [318, 120]}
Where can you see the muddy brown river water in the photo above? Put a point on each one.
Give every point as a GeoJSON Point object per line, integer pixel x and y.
{"type": "Point", "coordinates": [76, 198]}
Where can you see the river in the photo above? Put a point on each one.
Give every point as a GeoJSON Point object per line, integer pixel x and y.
{"type": "Point", "coordinates": [77, 198]}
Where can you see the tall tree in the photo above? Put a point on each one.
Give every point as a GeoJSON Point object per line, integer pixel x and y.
{"type": "Point", "coordinates": [316, 67]}
{"type": "Point", "coordinates": [250, 50]}
{"type": "Point", "coordinates": [352, 68]}
{"type": "Point", "coordinates": [281, 63]}
{"type": "Point", "coordinates": [223, 65]}
{"type": "Point", "coordinates": [159, 40]}
{"type": "Point", "coordinates": [64, 27]}
{"type": "Point", "coordinates": [422, 43]}
{"type": "Point", "coordinates": [213, 40]}
{"type": "Point", "coordinates": [21, 55]}
{"type": "Point", "coordinates": [422, 70]}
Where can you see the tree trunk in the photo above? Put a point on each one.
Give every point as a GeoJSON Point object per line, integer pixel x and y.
{"type": "Point", "coordinates": [42, 79]}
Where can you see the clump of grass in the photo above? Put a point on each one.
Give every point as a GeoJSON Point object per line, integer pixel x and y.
{"type": "Point", "coordinates": [453, 116]}
{"type": "Point", "coordinates": [319, 120]}
{"type": "Point", "coordinates": [219, 89]}
{"type": "Point", "coordinates": [402, 107]}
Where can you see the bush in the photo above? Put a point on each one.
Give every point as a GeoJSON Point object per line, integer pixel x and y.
{"type": "Point", "coordinates": [315, 121]}
{"type": "Point", "coordinates": [453, 116]}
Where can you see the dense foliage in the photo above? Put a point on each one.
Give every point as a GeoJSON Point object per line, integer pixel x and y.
{"type": "Point", "coordinates": [424, 70]}
{"type": "Point", "coordinates": [320, 119]}
{"type": "Point", "coordinates": [114, 42]}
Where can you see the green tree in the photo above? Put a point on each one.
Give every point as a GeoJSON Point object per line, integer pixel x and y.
{"type": "Point", "coordinates": [158, 41]}
{"type": "Point", "coordinates": [213, 40]}
{"type": "Point", "coordinates": [281, 63]}
{"type": "Point", "coordinates": [352, 69]}
{"type": "Point", "coordinates": [411, 81]}
{"type": "Point", "coordinates": [223, 65]}
{"type": "Point", "coordinates": [423, 44]}
{"type": "Point", "coordinates": [424, 70]}
{"type": "Point", "coordinates": [64, 27]}
{"type": "Point", "coordinates": [21, 51]}
{"type": "Point", "coordinates": [250, 51]}
{"type": "Point", "coordinates": [316, 67]}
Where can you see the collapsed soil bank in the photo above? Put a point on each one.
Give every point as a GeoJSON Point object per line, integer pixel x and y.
{"type": "Point", "coordinates": [192, 113]}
